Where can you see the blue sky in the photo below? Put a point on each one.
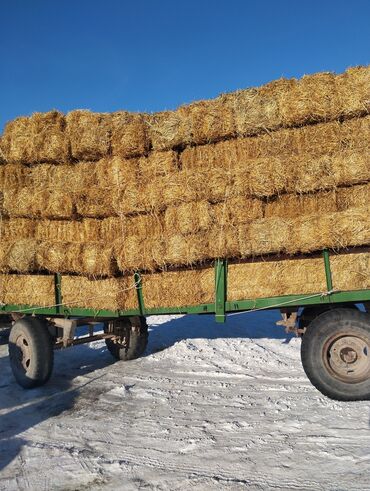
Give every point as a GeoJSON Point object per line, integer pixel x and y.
{"type": "Point", "coordinates": [146, 55]}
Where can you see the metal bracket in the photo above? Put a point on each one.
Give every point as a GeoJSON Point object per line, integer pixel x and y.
{"type": "Point", "coordinates": [328, 275]}
{"type": "Point", "coordinates": [220, 290]}
{"type": "Point", "coordinates": [139, 291]}
{"type": "Point", "coordinates": [68, 326]}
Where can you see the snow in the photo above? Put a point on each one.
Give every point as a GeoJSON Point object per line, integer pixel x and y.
{"type": "Point", "coordinates": [209, 406]}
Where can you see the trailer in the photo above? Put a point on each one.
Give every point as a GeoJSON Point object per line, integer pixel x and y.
{"type": "Point", "coordinates": [334, 326]}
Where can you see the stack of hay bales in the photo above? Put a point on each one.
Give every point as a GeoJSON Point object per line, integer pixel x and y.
{"type": "Point", "coordinates": [259, 176]}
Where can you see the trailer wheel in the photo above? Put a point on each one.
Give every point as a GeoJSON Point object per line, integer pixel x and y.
{"type": "Point", "coordinates": [132, 337]}
{"type": "Point", "coordinates": [335, 354]}
{"type": "Point", "coordinates": [31, 352]}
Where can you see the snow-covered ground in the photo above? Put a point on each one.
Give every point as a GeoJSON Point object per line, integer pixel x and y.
{"type": "Point", "coordinates": [208, 407]}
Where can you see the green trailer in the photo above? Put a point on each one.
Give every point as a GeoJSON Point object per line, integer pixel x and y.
{"type": "Point", "coordinates": [334, 326]}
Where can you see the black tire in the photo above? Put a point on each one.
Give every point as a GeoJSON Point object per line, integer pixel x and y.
{"type": "Point", "coordinates": [133, 334]}
{"type": "Point", "coordinates": [31, 352]}
{"type": "Point", "coordinates": [335, 354]}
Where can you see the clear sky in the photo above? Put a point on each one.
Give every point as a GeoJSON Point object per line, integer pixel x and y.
{"type": "Point", "coordinates": [149, 55]}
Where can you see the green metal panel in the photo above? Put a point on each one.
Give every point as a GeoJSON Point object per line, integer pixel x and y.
{"type": "Point", "coordinates": [357, 296]}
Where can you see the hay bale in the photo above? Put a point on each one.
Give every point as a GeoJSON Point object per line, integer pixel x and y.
{"type": "Point", "coordinates": [353, 91]}
{"type": "Point", "coordinates": [13, 176]}
{"type": "Point", "coordinates": [185, 250]}
{"type": "Point", "coordinates": [188, 218]}
{"type": "Point", "coordinates": [169, 129]}
{"type": "Point", "coordinates": [333, 231]}
{"type": "Point", "coordinates": [2, 156]}
{"type": "Point", "coordinates": [211, 121]}
{"type": "Point", "coordinates": [71, 177]}
{"type": "Point", "coordinates": [116, 173]}
{"type": "Point", "coordinates": [129, 134]}
{"type": "Point", "coordinates": [38, 138]}
{"type": "Point", "coordinates": [34, 290]}
{"type": "Point", "coordinates": [257, 109]}
{"type": "Point", "coordinates": [91, 259]}
{"type": "Point", "coordinates": [353, 197]}
{"type": "Point", "coordinates": [238, 210]}
{"type": "Point", "coordinates": [312, 98]}
{"type": "Point", "coordinates": [313, 140]}
{"type": "Point", "coordinates": [17, 229]}
{"type": "Point", "coordinates": [351, 168]}
{"type": "Point", "coordinates": [221, 243]}
{"type": "Point", "coordinates": [271, 278]}
{"type": "Point", "coordinates": [95, 203]}
{"type": "Point", "coordinates": [18, 256]}
{"type": "Point", "coordinates": [135, 253]}
{"type": "Point", "coordinates": [89, 134]}
{"type": "Point", "coordinates": [81, 231]}
{"type": "Point", "coordinates": [291, 206]}
{"type": "Point", "coordinates": [177, 288]}
{"type": "Point", "coordinates": [157, 164]}
{"type": "Point", "coordinates": [350, 271]}
{"type": "Point", "coordinates": [99, 294]}
{"type": "Point", "coordinates": [38, 203]}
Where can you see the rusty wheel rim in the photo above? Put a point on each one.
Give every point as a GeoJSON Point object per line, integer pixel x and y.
{"type": "Point", "coordinates": [347, 358]}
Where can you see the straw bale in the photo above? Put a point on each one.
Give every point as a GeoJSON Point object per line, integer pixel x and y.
{"type": "Point", "coordinates": [333, 230]}
{"type": "Point", "coordinates": [157, 164]}
{"type": "Point", "coordinates": [353, 88]}
{"type": "Point", "coordinates": [93, 259]}
{"type": "Point", "coordinates": [173, 189]}
{"type": "Point", "coordinates": [95, 203]}
{"type": "Point", "coordinates": [351, 168]}
{"type": "Point", "coordinates": [350, 271]}
{"type": "Point", "coordinates": [2, 156]}
{"type": "Point", "coordinates": [38, 203]}
{"type": "Point", "coordinates": [116, 173]}
{"type": "Point", "coordinates": [13, 175]}
{"type": "Point", "coordinates": [99, 294]}
{"type": "Point", "coordinates": [140, 244]}
{"type": "Point", "coordinates": [265, 236]}
{"type": "Point", "coordinates": [315, 140]}
{"type": "Point", "coordinates": [211, 120]}
{"type": "Point", "coordinates": [129, 134]}
{"type": "Point", "coordinates": [178, 288]}
{"type": "Point", "coordinates": [221, 243]}
{"type": "Point", "coordinates": [185, 249]}
{"type": "Point", "coordinates": [138, 253]}
{"type": "Point", "coordinates": [86, 230]}
{"type": "Point", "coordinates": [257, 109]}
{"type": "Point", "coordinates": [89, 134]}
{"type": "Point", "coordinates": [273, 278]}
{"type": "Point", "coordinates": [169, 129]}
{"type": "Point", "coordinates": [36, 290]}
{"type": "Point", "coordinates": [312, 98]}
{"type": "Point", "coordinates": [353, 197]}
{"type": "Point", "coordinates": [71, 177]}
{"type": "Point", "coordinates": [238, 210]}
{"type": "Point", "coordinates": [38, 138]}
{"type": "Point", "coordinates": [18, 255]}
{"type": "Point", "coordinates": [290, 206]}
{"type": "Point", "coordinates": [17, 229]}
{"type": "Point", "coordinates": [188, 218]}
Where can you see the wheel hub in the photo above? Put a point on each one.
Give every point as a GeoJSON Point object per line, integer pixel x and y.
{"type": "Point", "coordinates": [347, 357]}
{"type": "Point", "coordinates": [23, 352]}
